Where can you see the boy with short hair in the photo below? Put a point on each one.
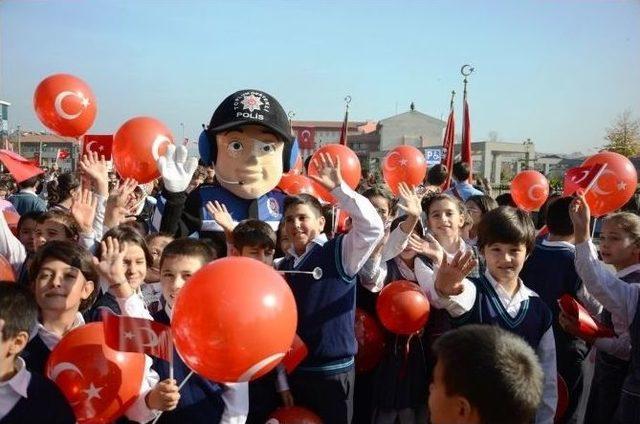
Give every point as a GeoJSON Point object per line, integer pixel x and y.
{"type": "Point", "coordinates": [505, 237]}
{"type": "Point", "coordinates": [326, 307]}
{"type": "Point", "coordinates": [24, 397]}
{"type": "Point", "coordinates": [506, 389]}
{"type": "Point", "coordinates": [201, 400]}
{"type": "Point", "coordinates": [254, 239]}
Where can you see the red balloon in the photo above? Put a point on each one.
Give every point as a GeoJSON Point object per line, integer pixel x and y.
{"type": "Point", "coordinates": [616, 183]}
{"type": "Point", "coordinates": [6, 270]}
{"type": "Point", "coordinates": [529, 190]}
{"type": "Point", "coordinates": [349, 163]}
{"type": "Point", "coordinates": [234, 320]}
{"type": "Point", "coordinates": [402, 307]}
{"type": "Point", "coordinates": [12, 219]}
{"type": "Point", "coordinates": [404, 164]}
{"type": "Point", "coordinates": [370, 338]}
{"type": "Point", "coordinates": [136, 147]}
{"type": "Point", "coordinates": [99, 382]}
{"type": "Point", "coordinates": [343, 225]}
{"type": "Point", "coordinates": [65, 104]}
{"type": "Point", "coordinates": [563, 399]}
{"type": "Point", "coordinates": [297, 184]}
{"type": "Point", "coordinates": [293, 415]}
{"type": "Point", "coordinates": [297, 167]}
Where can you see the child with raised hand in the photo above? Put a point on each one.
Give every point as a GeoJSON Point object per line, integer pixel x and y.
{"type": "Point", "coordinates": [326, 307]}
{"type": "Point", "coordinates": [498, 297]}
{"type": "Point", "coordinates": [26, 397]}
{"type": "Point", "coordinates": [505, 389]}
{"type": "Point", "coordinates": [201, 400]}
{"type": "Point", "coordinates": [617, 295]}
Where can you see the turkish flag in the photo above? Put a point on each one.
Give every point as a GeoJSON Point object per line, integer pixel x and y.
{"type": "Point", "coordinates": [466, 135]}
{"type": "Point", "coordinates": [581, 177]}
{"type": "Point", "coordinates": [448, 147]}
{"type": "Point", "coordinates": [63, 154]}
{"type": "Point", "coordinates": [307, 138]}
{"type": "Point", "coordinates": [587, 325]}
{"type": "Point", "coordinates": [22, 169]}
{"type": "Point", "coordinates": [128, 334]}
{"type": "Point", "coordinates": [101, 144]}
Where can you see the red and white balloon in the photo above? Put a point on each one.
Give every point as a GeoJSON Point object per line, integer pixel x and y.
{"type": "Point", "coordinates": [404, 164]}
{"type": "Point", "coordinates": [529, 190]}
{"type": "Point", "coordinates": [65, 104]}
{"type": "Point", "coordinates": [615, 185]}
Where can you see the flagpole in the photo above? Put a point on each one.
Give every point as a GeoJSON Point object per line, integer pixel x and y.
{"type": "Point", "coordinates": [345, 124]}
{"type": "Point", "coordinates": [466, 70]}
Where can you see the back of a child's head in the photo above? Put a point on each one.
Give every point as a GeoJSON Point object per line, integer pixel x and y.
{"type": "Point", "coordinates": [65, 184]}
{"type": "Point", "coordinates": [126, 234]}
{"type": "Point", "coordinates": [73, 255]}
{"type": "Point", "coordinates": [506, 225]}
{"type": "Point", "coordinates": [558, 219]}
{"type": "Point", "coordinates": [461, 171]}
{"type": "Point", "coordinates": [505, 199]}
{"type": "Point", "coordinates": [192, 248]}
{"type": "Point", "coordinates": [303, 199]}
{"type": "Point", "coordinates": [29, 183]}
{"type": "Point", "coordinates": [18, 310]}
{"type": "Point", "coordinates": [495, 370]}
{"type": "Point", "coordinates": [628, 222]}
{"type": "Point", "coordinates": [254, 233]}
{"type": "Point", "coordinates": [437, 175]}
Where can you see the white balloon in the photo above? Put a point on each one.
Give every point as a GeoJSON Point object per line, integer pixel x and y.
{"type": "Point", "coordinates": [58, 104]}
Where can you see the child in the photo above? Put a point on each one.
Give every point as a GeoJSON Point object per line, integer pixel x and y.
{"type": "Point", "coordinates": [326, 308]}
{"type": "Point", "coordinates": [461, 188]}
{"type": "Point", "coordinates": [151, 290]}
{"type": "Point", "coordinates": [506, 389]}
{"type": "Point", "coordinates": [619, 247]}
{"type": "Point", "coordinates": [617, 296]}
{"type": "Point", "coordinates": [550, 272]}
{"type": "Point", "coordinates": [498, 297]}
{"type": "Point", "coordinates": [26, 397]}
{"type": "Point", "coordinates": [201, 400]}
{"type": "Point", "coordinates": [477, 206]}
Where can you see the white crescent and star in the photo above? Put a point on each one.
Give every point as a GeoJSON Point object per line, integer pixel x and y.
{"type": "Point", "coordinates": [387, 161]}
{"type": "Point", "coordinates": [585, 173]}
{"type": "Point", "coordinates": [305, 135]}
{"type": "Point", "coordinates": [57, 104]}
{"type": "Point", "coordinates": [153, 337]}
{"type": "Point", "coordinates": [93, 392]}
{"type": "Point", "coordinates": [63, 366]}
{"type": "Point", "coordinates": [596, 187]}
{"type": "Point", "coordinates": [533, 197]}
{"type": "Point", "coordinates": [155, 147]}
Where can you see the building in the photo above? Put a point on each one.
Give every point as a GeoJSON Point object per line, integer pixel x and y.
{"type": "Point", "coordinates": [313, 134]}
{"type": "Point", "coordinates": [43, 148]}
{"type": "Point", "coordinates": [4, 122]}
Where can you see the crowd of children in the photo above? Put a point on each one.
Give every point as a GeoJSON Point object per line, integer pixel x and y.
{"type": "Point", "coordinates": [493, 348]}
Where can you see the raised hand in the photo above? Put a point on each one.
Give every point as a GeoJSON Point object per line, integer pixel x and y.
{"type": "Point", "coordinates": [96, 168]}
{"type": "Point", "coordinates": [176, 169]}
{"type": "Point", "coordinates": [428, 247]}
{"type": "Point", "coordinates": [409, 200]}
{"type": "Point", "coordinates": [221, 215]}
{"type": "Point", "coordinates": [111, 267]}
{"type": "Point", "coordinates": [83, 209]}
{"type": "Point", "coordinates": [164, 396]}
{"type": "Point", "coordinates": [120, 201]}
{"type": "Point", "coordinates": [580, 217]}
{"type": "Point", "coordinates": [450, 275]}
{"type": "Point", "coordinates": [328, 172]}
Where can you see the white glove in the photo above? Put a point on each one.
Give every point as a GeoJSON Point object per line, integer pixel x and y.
{"type": "Point", "coordinates": [176, 169]}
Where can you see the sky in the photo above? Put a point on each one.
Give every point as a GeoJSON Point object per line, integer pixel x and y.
{"type": "Point", "coordinates": [556, 72]}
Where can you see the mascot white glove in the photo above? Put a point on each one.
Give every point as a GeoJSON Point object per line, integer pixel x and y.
{"type": "Point", "coordinates": [176, 169]}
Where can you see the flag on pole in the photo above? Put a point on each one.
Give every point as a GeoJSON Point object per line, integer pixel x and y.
{"type": "Point", "coordinates": [62, 154]}
{"type": "Point", "coordinates": [448, 146]}
{"type": "Point", "coordinates": [466, 134]}
{"type": "Point", "coordinates": [99, 143]}
{"type": "Point", "coordinates": [129, 334]}
{"type": "Point", "coordinates": [22, 169]}
{"type": "Point", "coordinates": [581, 177]}
{"type": "Point", "coordinates": [343, 130]}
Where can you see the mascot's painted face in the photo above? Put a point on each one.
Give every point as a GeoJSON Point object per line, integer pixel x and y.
{"type": "Point", "coordinates": [249, 161]}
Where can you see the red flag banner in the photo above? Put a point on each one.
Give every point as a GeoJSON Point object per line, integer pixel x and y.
{"type": "Point", "coordinates": [581, 177]}
{"type": "Point", "coordinates": [295, 355]}
{"type": "Point", "coordinates": [101, 144]}
{"type": "Point", "coordinates": [128, 334]}
{"type": "Point", "coordinates": [448, 147]}
{"type": "Point", "coordinates": [63, 154]}
{"type": "Point", "coordinates": [343, 130]}
{"type": "Point", "coordinates": [307, 138]}
{"type": "Point", "coordinates": [22, 169]}
{"type": "Point", "coordinates": [466, 136]}
{"type": "Point", "coordinates": [587, 325]}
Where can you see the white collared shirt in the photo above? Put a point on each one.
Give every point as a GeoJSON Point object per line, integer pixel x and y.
{"type": "Point", "coordinates": [50, 338]}
{"type": "Point", "coordinates": [15, 388]}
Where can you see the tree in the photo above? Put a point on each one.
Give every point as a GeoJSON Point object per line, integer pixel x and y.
{"type": "Point", "coordinates": [624, 136]}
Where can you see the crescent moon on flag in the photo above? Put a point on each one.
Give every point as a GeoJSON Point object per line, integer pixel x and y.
{"type": "Point", "coordinates": [153, 337]}
{"type": "Point", "coordinates": [58, 104]}
{"type": "Point", "coordinates": [246, 376]}
{"type": "Point", "coordinates": [89, 144]}
{"type": "Point", "coordinates": [596, 187]}
{"type": "Point", "coordinates": [155, 147]}
{"type": "Point", "coordinates": [531, 190]}
{"type": "Point", "coordinates": [305, 135]}
{"type": "Point", "coordinates": [63, 366]}
{"type": "Point", "coordinates": [387, 166]}
{"type": "Point", "coordinates": [579, 180]}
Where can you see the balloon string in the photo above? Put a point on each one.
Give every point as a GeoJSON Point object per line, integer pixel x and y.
{"type": "Point", "coordinates": [179, 387]}
{"type": "Point", "coordinates": [405, 361]}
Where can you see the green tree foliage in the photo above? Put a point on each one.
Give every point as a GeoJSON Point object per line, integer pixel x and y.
{"type": "Point", "coordinates": [624, 136]}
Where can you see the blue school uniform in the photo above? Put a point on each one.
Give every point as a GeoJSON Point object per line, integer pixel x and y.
{"type": "Point", "coordinates": [35, 355]}
{"type": "Point", "coordinates": [629, 405]}
{"type": "Point", "coordinates": [200, 399]}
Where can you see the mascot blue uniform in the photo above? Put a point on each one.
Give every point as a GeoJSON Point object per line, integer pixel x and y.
{"type": "Point", "coordinates": [250, 145]}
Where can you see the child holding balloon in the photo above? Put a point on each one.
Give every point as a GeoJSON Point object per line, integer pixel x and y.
{"type": "Point", "coordinates": [326, 308]}
{"type": "Point", "coordinates": [26, 397]}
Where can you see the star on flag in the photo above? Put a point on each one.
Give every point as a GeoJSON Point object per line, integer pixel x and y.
{"type": "Point", "coordinates": [93, 392]}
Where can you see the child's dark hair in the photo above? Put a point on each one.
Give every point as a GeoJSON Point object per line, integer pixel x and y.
{"type": "Point", "coordinates": [71, 254]}
{"type": "Point", "coordinates": [381, 191]}
{"type": "Point", "coordinates": [506, 388]}
{"type": "Point", "coordinates": [29, 183]}
{"type": "Point", "coordinates": [71, 226]}
{"type": "Point", "coordinates": [127, 234]}
{"type": "Point", "coordinates": [505, 199]}
{"type": "Point", "coordinates": [506, 225]}
{"type": "Point", "coordinates": [303, 199]}
{"type": "Point", "coordinates": [483, 202]}
{"type": "Point", "coordinates": [254, 233]}
{"type": "Point", "coordinates": [461, 171]}
{"type": "Point", "coordinates": [558, 219]}
{"type": "Point", "coordinates": [428, 201]}
{"type": "Point", "coordinates": [60, 189]}
{"type": "Point", "coordinates": [419, 229]}
{"type": "Point", "coordinates": [192, 248]}
{"type": "Point", "coordinates": [437, 175]}
{"type": "Point", "coordinates": [29, 216]}
{"type": "Point", "coordinates": [18, 310]}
